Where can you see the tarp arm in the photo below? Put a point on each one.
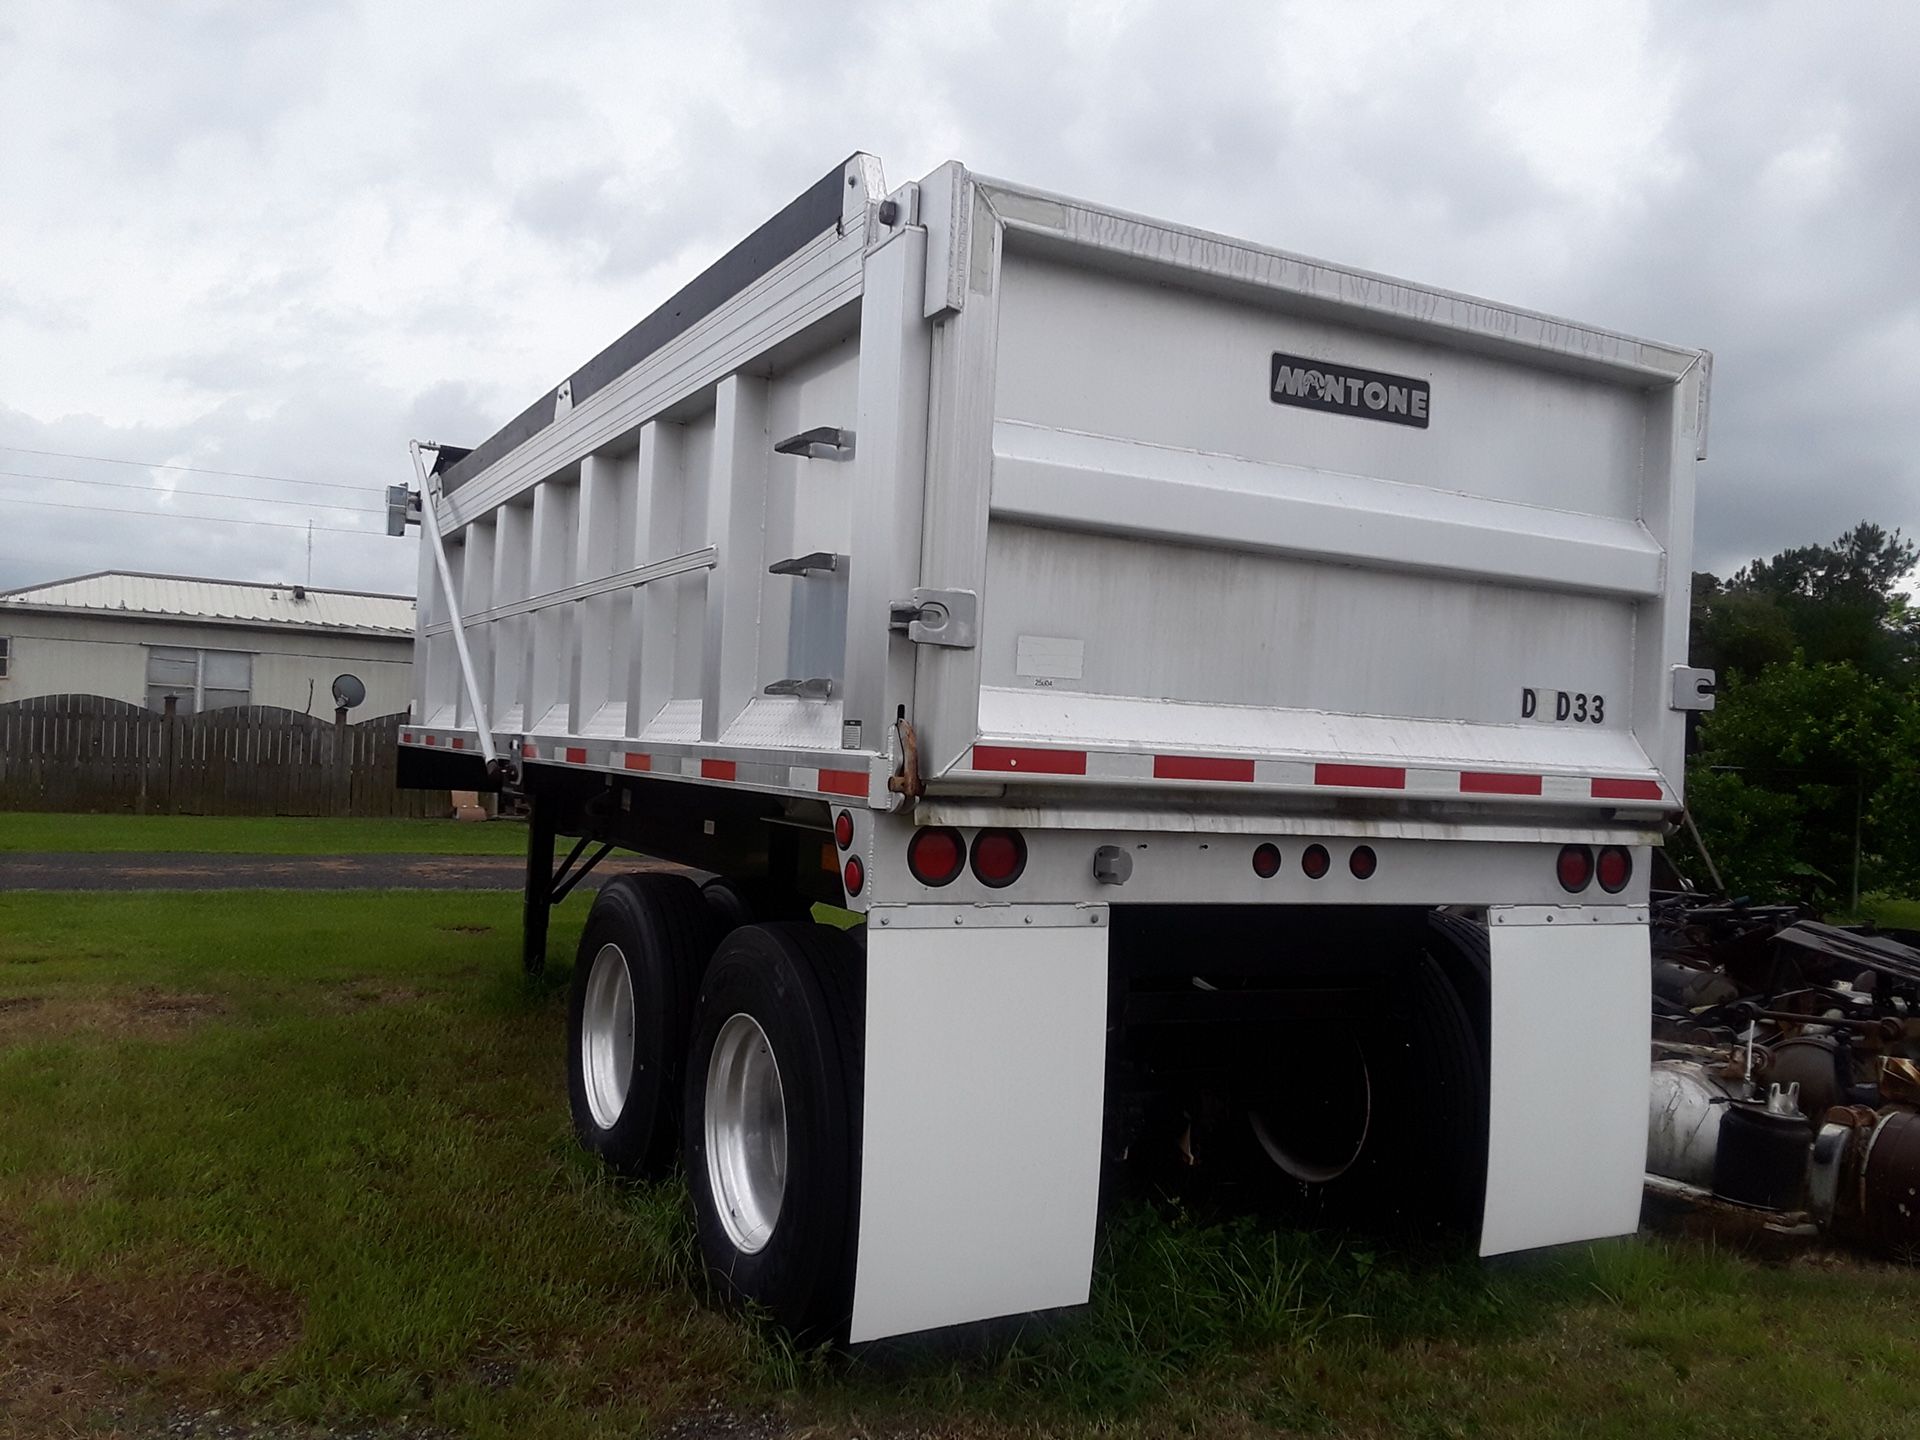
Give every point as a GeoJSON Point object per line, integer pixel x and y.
{"type": "Point", "coordinates": [430, 522]}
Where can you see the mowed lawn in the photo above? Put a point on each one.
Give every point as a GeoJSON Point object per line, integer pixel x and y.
{"type": "Point", "coordinates": [255, 835]}
{"type": "Point", "coordinates": [305, 1158]}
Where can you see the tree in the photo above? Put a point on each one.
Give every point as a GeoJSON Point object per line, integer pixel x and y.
{"type": "Point", "coordinates": [1837, 603]}
{"type": "Point", "coordinates": [1791, 761]}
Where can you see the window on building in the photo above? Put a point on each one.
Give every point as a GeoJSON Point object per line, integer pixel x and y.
{"type": "Point", "coordinates": [202, 679]}
{"type": "Point", "coordinates": [6, 655]}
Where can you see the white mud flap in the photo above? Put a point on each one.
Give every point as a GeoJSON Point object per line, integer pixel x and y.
{"type": "Point", "coordinates": [985, 1072]}
{"type": "Point", "coordinates": [1567, 1129]}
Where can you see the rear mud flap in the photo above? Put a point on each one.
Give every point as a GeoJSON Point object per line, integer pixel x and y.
{"type": "Point", "coordinates": [985, 1076]}
{"type": "Point", "coordinates": [1567, 1123]}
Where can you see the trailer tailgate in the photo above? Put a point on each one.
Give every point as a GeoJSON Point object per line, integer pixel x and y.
{"type": "Point", "coordinates": [1268, 527]}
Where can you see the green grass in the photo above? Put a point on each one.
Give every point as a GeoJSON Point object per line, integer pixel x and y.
{"type": "Point", "coordinates": [1894, 914]}
{"type": "Point", "coordinates": [256, 835]}
{"type": "Point", "coordinates": [347, 1111]}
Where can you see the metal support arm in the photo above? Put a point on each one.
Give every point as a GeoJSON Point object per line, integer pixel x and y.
{"type": "Point", "coordinates": [430, 522]}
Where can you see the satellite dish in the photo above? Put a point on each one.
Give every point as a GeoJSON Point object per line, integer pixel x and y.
{"type": "Point", "coordinates": [348, 691]}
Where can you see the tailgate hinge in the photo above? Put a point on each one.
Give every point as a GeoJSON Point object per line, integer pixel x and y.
{"type": "Point", "coordinates": [1692, 689]}
{"type": "Point", "coordinates": [937, 617]}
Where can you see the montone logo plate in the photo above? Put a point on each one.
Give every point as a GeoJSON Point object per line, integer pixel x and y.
{"type": "Point", "coordinates": [1370, 394]}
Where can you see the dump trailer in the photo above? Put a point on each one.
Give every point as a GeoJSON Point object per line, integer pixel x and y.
{"type": "Point", "coordinates": [1236, 696]}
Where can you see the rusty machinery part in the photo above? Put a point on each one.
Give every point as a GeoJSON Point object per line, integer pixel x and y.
{"type": "Point", "coordinates": [1818, 1065]}
{"type": "Point", "coordinates": [1877, 1201]}
{"type": "Point", "coordinates": [908, 782]}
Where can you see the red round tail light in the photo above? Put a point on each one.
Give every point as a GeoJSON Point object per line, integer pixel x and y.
{"type": "Point", "coordinates": [1363, 862]}
{"type": "Point", "coordinates": [855, 875]}
{"type": "Point", "coordinates": [1575, 868]}
{"type": "Point", "coordinates": [998, 857]}
{"type": "Point", "coordinates": [1266, 861]}
{"type": "Point", "coordinates": [843, 830]}
{"type": "Point", "coordinates": [1615, 869]}
{"type": "Point", "coordinates": [1315, 861]}
{"type": "Point", "coordinates": [935, 857]}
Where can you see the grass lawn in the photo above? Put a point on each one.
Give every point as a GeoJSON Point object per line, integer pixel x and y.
{"type": "Point", "coordinates": [1894, 914]}
{"type": "Point", "coordinates": [306, 1158]}
{"type": "Point", "coordinates": [257, 835]}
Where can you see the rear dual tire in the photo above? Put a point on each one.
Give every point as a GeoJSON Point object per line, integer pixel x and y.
{"type": "Point", "coordinates": [772, 1121]}
{"type": "Point", "coordinates": [634, 977]}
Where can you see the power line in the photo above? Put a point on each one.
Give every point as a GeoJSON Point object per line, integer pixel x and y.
{"type": "Point", "coordinates": [183, 490]}
{"type": "Point", "coordinates": [207, 519]}
{"type": "Point", "coordinates": [197, 469]}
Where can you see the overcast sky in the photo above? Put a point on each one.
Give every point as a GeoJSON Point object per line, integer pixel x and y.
{"type": "Point", "coordinates": [284, 238]}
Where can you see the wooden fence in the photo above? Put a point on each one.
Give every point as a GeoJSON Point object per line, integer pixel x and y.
{"type": "Point", "coordinates": [89, 753]}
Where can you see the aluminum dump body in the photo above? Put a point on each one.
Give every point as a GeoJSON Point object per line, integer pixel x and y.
{"type": "Point", "coordinates": [1118, 514]}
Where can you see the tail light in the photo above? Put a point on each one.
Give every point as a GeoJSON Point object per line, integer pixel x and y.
{"type": "Point", "coordinates": [1615, 869]}
{"type": "Point", "coordinates": [1266, 861]}
{"type": "Point", "coordinates": [1575, 868]}
{"type": "Point", "coordinates": [843, 830]}
{"type": "Point", "coordinates": [998, 857]}
{"type": "Point", "coordinates": [855, 875]}
{"type": "Point", "coordinates": [936, 856]}
{"type": "Point", "coordinates": [1315, 861]}
{"type": "Point", "coordinates": [1363, 862]}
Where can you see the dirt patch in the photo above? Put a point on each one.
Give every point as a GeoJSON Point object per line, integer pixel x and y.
{"type": "Point", "coordinates": [72, 1346]}
{"type": "Point", "coordinates": [366, 994]}
{"type": "Point", "coordinates": [149, 1012]}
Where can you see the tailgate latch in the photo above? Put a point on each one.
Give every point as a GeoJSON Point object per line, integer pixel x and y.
{"type": "Point", "coordinates": [1692, 689]}
{"type": "Point", "coordinates": [937, 617]}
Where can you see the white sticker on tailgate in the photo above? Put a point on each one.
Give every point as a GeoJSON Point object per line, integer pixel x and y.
{"type": "Point", "coordinates": [1563, 707]}
{"type": "Point", "coordinates": [1046, 658]}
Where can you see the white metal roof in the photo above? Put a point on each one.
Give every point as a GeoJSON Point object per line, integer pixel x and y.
{"type": "Point", "coordinates": [185, 597]}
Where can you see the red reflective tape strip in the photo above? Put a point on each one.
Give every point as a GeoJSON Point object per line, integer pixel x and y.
{"type": "Point", "coordinates": [717, 769]}
{"type": "Point", "coordinates": [433, 740]}
{"type": "Point", "coordinates": [406, 737]}
{"type": "Point", "coordinates": [636, 761]}
{"type": "Point", "coordinates": [458, 743]}
{"type": "Point", "coordinates": [843, 782]}
{"type": "Point", "coordinates": [1031, 762]}
{"type": "Point", "coordinates": [1361, 777]}
{"type": "Point", "coordinates": [1626, 789]}
{"type": "Point", "coordinates": [1490, 782]}
{"type": "Point", "coordinates": [527, 750]}
{"type": "Point", "coordinates": [576, 755]}
{"type": "Point", "coordinates": [1201, 767]}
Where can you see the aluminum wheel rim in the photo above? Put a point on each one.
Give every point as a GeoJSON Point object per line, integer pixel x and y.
{"type": "Point", "coordinates": [746, 1132]}
{"type": "Point", "coordinates": [1316, 1163]}
{"type": "Point", "coordinates": [606, 1036]}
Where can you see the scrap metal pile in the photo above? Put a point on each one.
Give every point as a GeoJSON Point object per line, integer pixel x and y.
{"type": "Point", "coordinates": [1786, 1072]}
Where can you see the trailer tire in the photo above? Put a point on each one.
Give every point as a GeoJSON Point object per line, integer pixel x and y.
{"type": "Point", "coordinates": [1419, 1162]}
{"type": "Point", "coordinates": [751, 902]}
{"type": "Point", "coordinates": [777, 1051]}
{"type": "Point", "coordinates": [645, 943]}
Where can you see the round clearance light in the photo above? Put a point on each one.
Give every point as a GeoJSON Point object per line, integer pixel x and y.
{"type": "Point", "coordinates": [843, 830]}
{"type": "Point", "coordinates": [1363, 862]}
{"type": "Point", "coordinates": [1315, 861]}
{"type": "Point", "coordinates": [998, 857]}
{"type": "Point", "coordinates": [855, 875]}
{"type": "Point", "coordinates": [936, 857]}
{"type": "Point", "coordinates": [1575, 868]}
{"type": "Point", "coordinates": [1614, 869]}
{"type": "Point", "coordinates": [1266, 861]}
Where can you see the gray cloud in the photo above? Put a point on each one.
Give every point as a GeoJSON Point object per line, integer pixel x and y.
{"type": "Point", "coordinates": [286, 238]}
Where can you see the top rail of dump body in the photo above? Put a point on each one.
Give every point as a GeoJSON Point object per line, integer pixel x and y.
{"type": "Point", "coordinates": [919, 277]}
